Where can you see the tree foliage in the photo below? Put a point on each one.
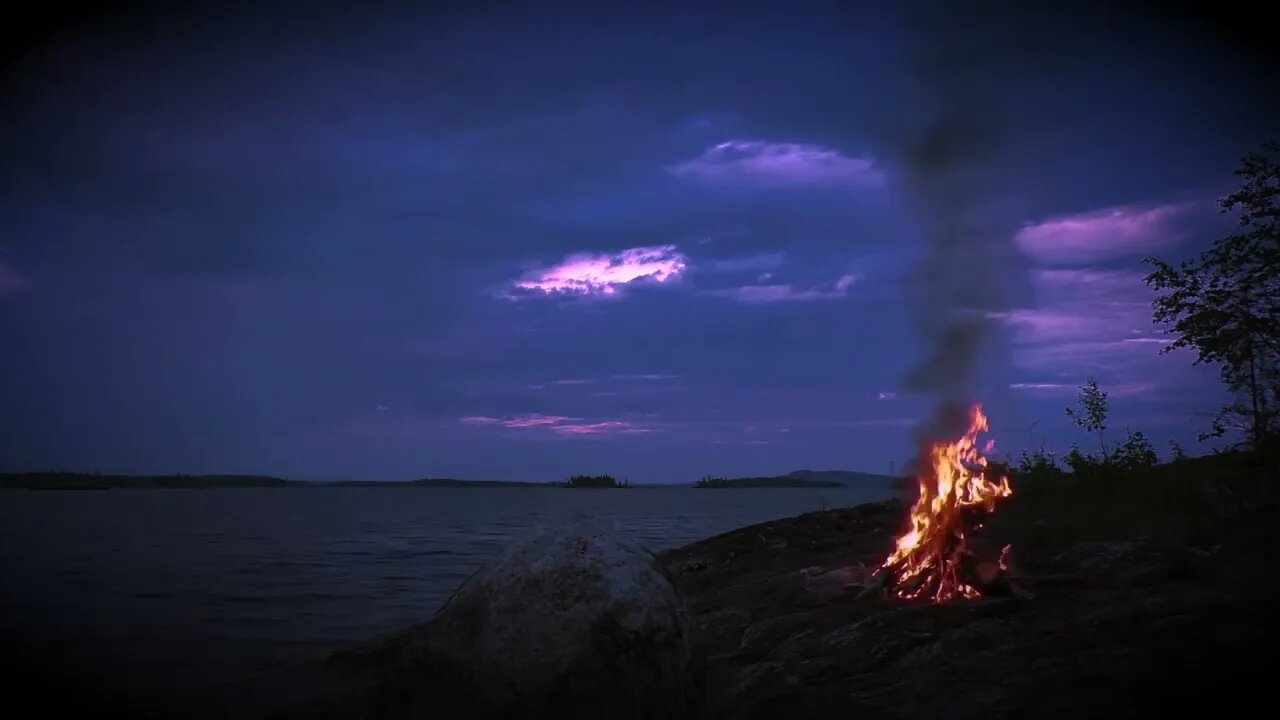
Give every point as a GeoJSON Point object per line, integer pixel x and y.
{"type": "Point", "coordinates": [1134, 453]}
{"type": "Point", "coordinates": [1225, 304]}
{"type": "Point", "coordinates": [595, 481]}
{"type": "Point", "coordinates": [1039, 462]}
{"type": "Point", "coordinates": [1091, 416]}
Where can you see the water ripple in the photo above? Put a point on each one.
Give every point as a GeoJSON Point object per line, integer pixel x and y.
{"type": "Point", "coordinates": [301, 569]}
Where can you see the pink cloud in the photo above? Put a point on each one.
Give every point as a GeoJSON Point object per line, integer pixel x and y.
{"type": "Point", "coordinates": [1148, 340]}
{"type": "Point", "coordinates": [604, 275]}
{"type": "Point", "coordinates": [1103, 234]}
{"type": "Point", "coordinates": [522, 421]}
{"type": "Point", "coordinates": [1039, 386]}
{"type": "Point", "coordinates": [558, 424]}
{"type": "Point", "coordinates": [600, 428]}
{"type": "Point", "coordinates": [759, 162]}
{"type": "Point", "coordinates": [789, 293]}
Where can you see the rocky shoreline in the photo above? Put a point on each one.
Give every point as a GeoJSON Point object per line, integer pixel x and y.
{"type": "Point", "coordinates": [1103, 629]}
{"type": "Point", "coordinates": [778, 625]}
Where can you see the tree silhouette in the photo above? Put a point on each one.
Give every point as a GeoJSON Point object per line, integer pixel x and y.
{"type": "Point", "coordinates": [1092, 415]}
{"type": "Point", "coordinates": [594, 481]}
{"type": "Point", "coordinates": [1226, 303]}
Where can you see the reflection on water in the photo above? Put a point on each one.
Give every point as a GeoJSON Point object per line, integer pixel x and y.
{"type": "Point", "coordinates": [271, 573]}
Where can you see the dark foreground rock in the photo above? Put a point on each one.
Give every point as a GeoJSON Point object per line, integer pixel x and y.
{"type": "Point", "coordinates": [1123, 629]}
{"type": "Point", "coordinates": [782, 628]}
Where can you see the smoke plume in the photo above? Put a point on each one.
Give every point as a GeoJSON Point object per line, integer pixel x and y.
{"type": "Point", "coordinates": [959, 70]}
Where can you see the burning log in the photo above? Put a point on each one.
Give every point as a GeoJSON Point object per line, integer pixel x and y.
{"type": "Point", "coordinates": [933, 559]}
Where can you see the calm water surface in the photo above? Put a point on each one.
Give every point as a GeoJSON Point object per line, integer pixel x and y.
{"type": "Point", "coordinates": [196, 581]}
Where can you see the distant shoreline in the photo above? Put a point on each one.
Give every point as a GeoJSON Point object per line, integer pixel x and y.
{"type": "Point", "coordinates": [770, 482]}
{"type": "Point", "coordinates": [798, 479]}
{"type": "Point", "coordinates": [96, 481]}
{"type": "Point", "coordinates": [93, 481]}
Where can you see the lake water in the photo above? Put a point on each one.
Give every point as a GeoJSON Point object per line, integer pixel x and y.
{"type": "Point", "coordinates": [204, 583]}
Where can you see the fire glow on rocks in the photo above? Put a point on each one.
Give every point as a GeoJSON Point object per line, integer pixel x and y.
{"type": "Point", "coordinates": [933, 559]}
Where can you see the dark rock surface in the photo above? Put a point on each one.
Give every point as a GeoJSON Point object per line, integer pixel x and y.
{"type": "Point", "coordinates": [782, 628]}
{"type": "Point", "coordinates": [1121, 629]}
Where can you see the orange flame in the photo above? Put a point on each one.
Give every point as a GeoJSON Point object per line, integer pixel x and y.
{"type": "Point", "coordinates": [929, 558]}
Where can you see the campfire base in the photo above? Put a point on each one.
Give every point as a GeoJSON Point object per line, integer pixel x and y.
{"type": "Point", "coordinates": [987, 578]}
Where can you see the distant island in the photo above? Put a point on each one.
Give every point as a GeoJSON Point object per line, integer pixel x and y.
{"type": "Point", "coordinates": [595, 481]}
{"type": "Point", "coordinates": [799, 478]}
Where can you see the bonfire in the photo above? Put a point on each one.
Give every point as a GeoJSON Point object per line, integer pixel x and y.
{"type": "Point", "coordinates": [933, 559]}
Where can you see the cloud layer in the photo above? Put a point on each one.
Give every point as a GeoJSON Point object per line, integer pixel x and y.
{"type": "Point", "coordinates": [559, 425]}
{"type": "Point", "coordinates": [760, 162]}
{"type": "Point", "coordinates": [586, 274]}
{"type": "Point", "coordinates": [780, 293]}
{"type": "Point", "coordinates": [1093, 322]}
{"type": "Point", "coordinates": [213, 223]}
{"type": "Point", "coordinates": [1105, 234]}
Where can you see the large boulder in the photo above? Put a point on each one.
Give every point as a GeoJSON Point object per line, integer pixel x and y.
{"type": "Point", "coordinates": [570, 621]}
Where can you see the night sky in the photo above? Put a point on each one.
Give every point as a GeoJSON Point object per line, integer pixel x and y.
{"type": "Point", "coordinates": [507, 242]}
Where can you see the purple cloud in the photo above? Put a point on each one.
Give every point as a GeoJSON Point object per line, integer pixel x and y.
{"type": "Point", "coordinates": [886, 395]}
{"type": "Point", "coordinates": [521, 421]}
{"type": "Point", "coordinates": [1091, 322]}
{"type": "Point", "coordinates": [1041, 386]}
{"type": "Point", "coordinates": [558, 424]}
{"type": "Point", "coordinates": [600, 428]}
{"type": "Point", "coordinates": [789, 293]}
{"type": "Point", "coordinates": [585, 274]}
{"type": "Point", "coordinates": [759, 162]}
{"type": "Point", "coordinates": [648, 376]}
{"type": "Point", "coordinates": [1083, 306]}
{"type": "Point", "coordinates": [1103, 234]}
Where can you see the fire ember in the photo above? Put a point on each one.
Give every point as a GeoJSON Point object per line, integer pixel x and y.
{"type": "Point", "coordinates": [933, 559]}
